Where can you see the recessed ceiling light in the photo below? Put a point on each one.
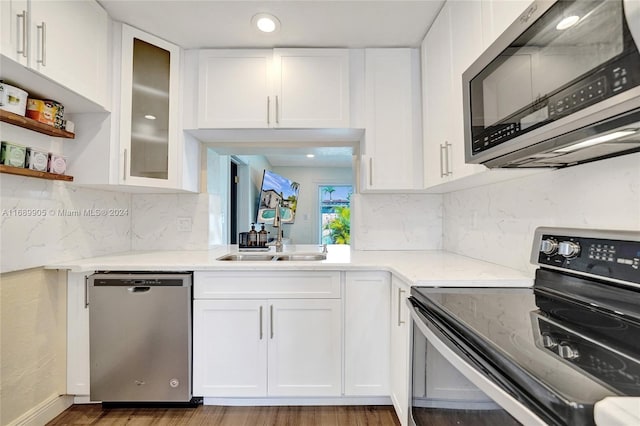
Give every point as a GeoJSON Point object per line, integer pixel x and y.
{"type": "Point", "coordinates": [150, 117]}
{"type": "Point", "coordinates": [265, 22]}
{"type": "Point", "coordinates": [310, 155]}
{"type": "Point", "coordinates": [567, 22]}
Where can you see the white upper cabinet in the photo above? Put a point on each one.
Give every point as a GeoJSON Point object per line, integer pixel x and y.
{"type": "Point", "coordinates": [65, 41]}
{"type": "Point", "coordinates": [456, 39]}
{"type": "Point", "coordinates": [69, 41]}
{"type": "Point", "coordinates": [141, 143]}
{"type": "Point", "coordinates": [311, 87]}
{"type": "Point", "coordinates": [437, 85]}
{"type": "Point", "coordinates": [14, 30]}
{"type": "Point", "coordinates": [281, 88]}
{"type": "Point", "coordinates": [149, 100]}
{"type": "Point", "coordinates": [393, 148]}
{"type": "Point", "coordinates": [235, 89]}
{"type": "Point", "coordinates": [451, 45]}
{"type": "Point", "coordinates": [466, 47]}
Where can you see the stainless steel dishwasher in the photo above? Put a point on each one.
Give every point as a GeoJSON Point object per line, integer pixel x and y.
{"type": "Point", "coordinates": [140, 337]}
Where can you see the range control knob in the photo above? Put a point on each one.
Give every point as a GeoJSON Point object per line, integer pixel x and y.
{"type": "Point", "coordinates": [566, 351]}
{"type": "Point", "coordinates": [568, 249]}
{"type": "Point", "coordinates": [548, 246]}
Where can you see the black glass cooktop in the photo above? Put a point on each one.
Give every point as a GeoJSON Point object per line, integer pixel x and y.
{"type": "Point", "coordinates": [564, 346]}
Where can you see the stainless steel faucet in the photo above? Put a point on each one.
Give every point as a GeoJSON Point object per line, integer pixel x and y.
{"type": "Point", "coordinates": [277, 223]}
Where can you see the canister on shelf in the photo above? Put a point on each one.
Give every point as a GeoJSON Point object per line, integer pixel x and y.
{"type": "Point", "coordinates": [12, 154]}
{"type": "Point", "coordinates": [13, 99]}
{"type": "Point", "coordinates": [57, 164]}
{"type": "Point", "coordinates": [58, 119]}
{"type": "Point", "coordinates": [43, 111]}
{"type": "Point", "coordinates": [37, 159]}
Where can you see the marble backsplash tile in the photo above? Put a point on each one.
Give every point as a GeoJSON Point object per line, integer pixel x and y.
{"type": "Point", "coordinates": [170, 222]}
{"type": "Point", "coordinates": [496, 222]}
{"type": "Point", "coordinates": [45, 222]}
{"type": "Point", "coordinates": [396, 221]}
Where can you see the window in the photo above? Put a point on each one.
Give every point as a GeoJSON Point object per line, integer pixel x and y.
{"type": "Point", "coordinates": [335, 213]}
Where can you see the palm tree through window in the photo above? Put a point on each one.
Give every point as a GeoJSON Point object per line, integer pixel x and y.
{"type": "Point", "coordinates": [335, 213]}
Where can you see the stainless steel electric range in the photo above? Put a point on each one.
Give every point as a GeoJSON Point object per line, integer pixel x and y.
{"type": "Point", "coordinates": [548, 354]}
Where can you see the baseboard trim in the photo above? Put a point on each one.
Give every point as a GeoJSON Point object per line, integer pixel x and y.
{"type": "Point", "coordinates": [368, 400]}
{"type": "Point", "coordinates": [44, 412]}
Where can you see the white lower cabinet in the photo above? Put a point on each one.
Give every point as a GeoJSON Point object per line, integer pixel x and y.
{"type": "Point", "coordinates": [78, 364]}
{"type": "Point", "coordinates": [229, 348]}
{"type": "Point", "coordinates": [284, 346]}
{"type": "Point", "coordinates": [400, 345]}
{"type": "Point", "coordinates": [304, 347]}
{"type": "Point", "coordinates": [366, 327]}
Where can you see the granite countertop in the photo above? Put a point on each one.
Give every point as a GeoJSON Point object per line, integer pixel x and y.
{"type": "Point", "coordinates": [420, 268]}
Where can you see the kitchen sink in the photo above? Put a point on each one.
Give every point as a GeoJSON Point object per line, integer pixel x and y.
{"type": "Point", "coordinates": [252, 257]}
{"type": "Point", "coordinates": [247, 257]}
{"type": "Point", "coordinates": [302, 257]}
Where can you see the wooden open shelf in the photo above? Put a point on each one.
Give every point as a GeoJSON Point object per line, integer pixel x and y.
{"type": "Point", "coordinates": [33, 173]}
{"type": "Point", "coordinates": [36, 126]}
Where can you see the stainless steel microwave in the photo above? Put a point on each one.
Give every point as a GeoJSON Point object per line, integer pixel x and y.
{"type": "Point", "coordinates": [560, 87]}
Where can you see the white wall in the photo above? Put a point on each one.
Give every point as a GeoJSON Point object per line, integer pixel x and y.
{"type": "Point", "coordinates": [496, 222]}
{"type": "Point", "coordinates": [256, 165]}
{"type": "Point", "coordinates": [305, 228]}
{"type": "Point", "coordinates": [33, 350]}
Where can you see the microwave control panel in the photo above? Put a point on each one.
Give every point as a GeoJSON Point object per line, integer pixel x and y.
{"type": "Point", "coordinates": [608, 81]}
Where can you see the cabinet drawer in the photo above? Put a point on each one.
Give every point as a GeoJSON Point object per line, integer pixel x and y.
{"type": "Point", "coordinates": [266, 285]}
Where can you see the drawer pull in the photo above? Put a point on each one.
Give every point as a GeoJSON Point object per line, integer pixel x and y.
{"type": "Point", "coordinates": [400, 321]}
{"type": "Point", "coordinates": [271, 319]}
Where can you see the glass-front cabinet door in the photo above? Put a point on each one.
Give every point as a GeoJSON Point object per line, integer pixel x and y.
{"type": "Point", "coordinates": [149, 135]}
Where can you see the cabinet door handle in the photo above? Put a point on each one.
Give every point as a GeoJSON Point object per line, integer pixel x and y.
{"type": "Point", "coordinates": [442, 173]}
{"type": "Point", "coordinates": [268, 110]}
{"type": "Point", "coordinates": [370, 171]}
{"type": "Point", "coordinates": [277, 113]}
{"type": "Point", "coordinates": [447, 146]}
{"type": "Point", "coordinates": [23, 17]}
{"type": "Point", "coordinates": [86, 291]}
{"type": "Point", "coordinates": [400, 322]}
{"type": "Point", "coordinates": [260, 322]}
{"type": "Point", "coordinates": [43, 46]}
{"type": "Point", "coordinates": [124, 168]}
{"type": "Point", "coordinates": [271, 319]}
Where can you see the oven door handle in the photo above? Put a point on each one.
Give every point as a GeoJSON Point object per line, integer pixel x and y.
{"type": "Point", "coordinates": [418, 320]}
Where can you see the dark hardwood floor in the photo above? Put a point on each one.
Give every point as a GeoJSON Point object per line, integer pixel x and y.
{"type": "Point", "coordinates": [93, 414]}
{"type": "Point", "coordinates": [210, 415]}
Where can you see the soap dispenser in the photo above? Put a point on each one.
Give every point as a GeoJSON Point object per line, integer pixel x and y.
{"type": "Point", "coordinates": [262, 237]}
{"type": "Point", "coordinates": [253, 236]}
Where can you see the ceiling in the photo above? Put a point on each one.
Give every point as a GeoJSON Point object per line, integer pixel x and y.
{"type": "Point", "coordinates": [304, 23]}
